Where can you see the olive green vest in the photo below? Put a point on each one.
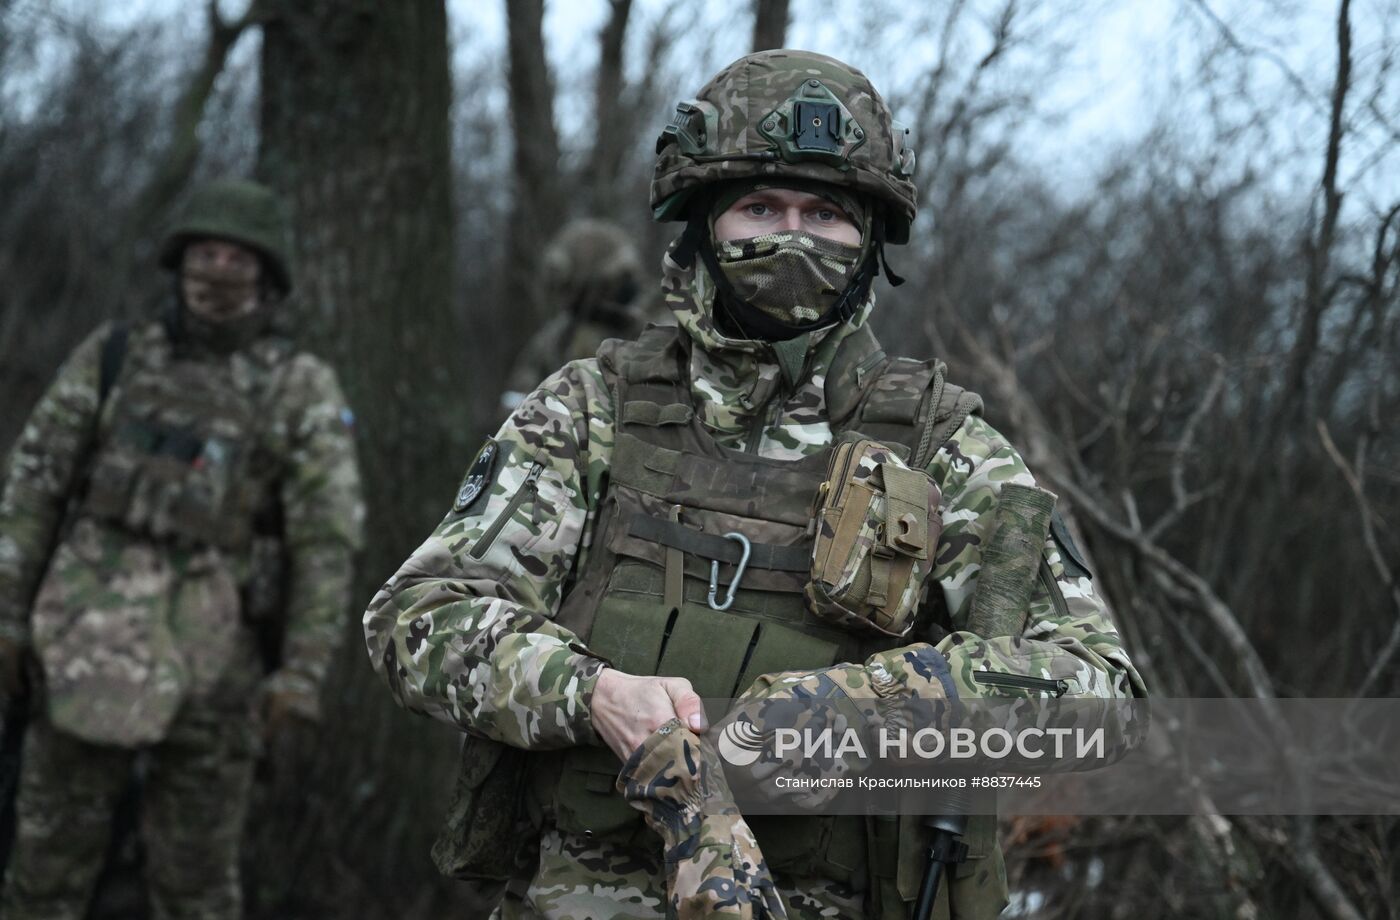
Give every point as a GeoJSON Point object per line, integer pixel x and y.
{"type": "Point", "coordinates": [640, 600]}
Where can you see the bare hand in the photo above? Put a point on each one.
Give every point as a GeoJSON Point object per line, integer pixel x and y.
{"type": "Point", "coordinates": [626, 708]}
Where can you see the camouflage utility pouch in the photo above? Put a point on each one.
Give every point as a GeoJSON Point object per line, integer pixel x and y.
{"type": "Point", "coordinates": [877, 524]}
{"type": "Point", "coordinates": [487, 835]}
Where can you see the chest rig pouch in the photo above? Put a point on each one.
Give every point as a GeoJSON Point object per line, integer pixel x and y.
{"type": "Point", "coordinates": [875, 523]}
{"type": "Point", "coordinates": [702, 563]}
{"type": "Point", "coordinates": [178, 457]}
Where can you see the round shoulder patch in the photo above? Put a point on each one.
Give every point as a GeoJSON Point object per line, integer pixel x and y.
{"type": "Point", "coordinates": [478, 476]}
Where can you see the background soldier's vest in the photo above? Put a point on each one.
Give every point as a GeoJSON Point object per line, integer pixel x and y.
{"type": "Point", "coordinates": [178, 455]}
{"type": "Point", "coordinates": [641, 599]}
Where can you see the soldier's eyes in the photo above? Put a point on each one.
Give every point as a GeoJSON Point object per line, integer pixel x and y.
{"type": "Point", "coordinates": [827, 215]}
{"type": "Point", "coordinates": [758, 209]}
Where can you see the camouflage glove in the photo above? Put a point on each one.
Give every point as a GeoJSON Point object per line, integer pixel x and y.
{"type": "Point", "coordinates": [867, 697]}
{"type": "Point", "coordinates": [713, 864]}
{"type": "Point", "coordinates": [13, 682]}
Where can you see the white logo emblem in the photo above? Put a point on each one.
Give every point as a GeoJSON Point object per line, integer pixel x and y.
{"type": "Point", "coordinates": [740, 743]}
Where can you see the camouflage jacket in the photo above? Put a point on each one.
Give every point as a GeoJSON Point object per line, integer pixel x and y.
{"type": "Point", "coordinates": [472, 641]}
{"type": "Point", "coordinates": [306, 430]}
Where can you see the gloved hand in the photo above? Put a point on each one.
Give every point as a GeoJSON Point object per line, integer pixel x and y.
{"type": "Point", "coordinates": [713, 864]}
{"type": "Point", "coordinates": [906, 688]}
{"type": "Point", "coordinates": [13, 680]}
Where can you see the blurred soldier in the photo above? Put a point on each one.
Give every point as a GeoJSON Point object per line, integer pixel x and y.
{"type": "Point", "coordinates": [592, 277]}
{"type": "Point", "coordinates": [683, 515]}
{"type": "Point", "coordinates": [147, 502]}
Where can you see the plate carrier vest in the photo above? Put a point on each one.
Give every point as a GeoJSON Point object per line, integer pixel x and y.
{"type": "Point", "coordinates": [640, 601]}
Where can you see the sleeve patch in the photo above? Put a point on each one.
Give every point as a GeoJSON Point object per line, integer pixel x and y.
{"type": "Point", "coordinates": [478, 476]}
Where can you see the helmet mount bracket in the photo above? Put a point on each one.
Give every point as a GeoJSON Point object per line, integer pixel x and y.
{"type": "Point", "coordinates": [813, 125]}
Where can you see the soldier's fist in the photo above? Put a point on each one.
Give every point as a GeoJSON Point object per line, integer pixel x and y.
{"type": "Point", "coordinates": [626, 709]}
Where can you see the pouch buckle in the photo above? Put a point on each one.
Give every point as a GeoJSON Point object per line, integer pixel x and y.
{"type": "Point", "coordinates": [743, 541]}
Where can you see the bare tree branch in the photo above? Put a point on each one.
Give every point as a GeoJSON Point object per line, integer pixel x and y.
{"type": "Point", "coordinates": [1314, 870]}
{"type": "Point", "coordinates": [1319, 253]}
{"type": "Point", "coordinates": [1248, 50]}
{"type": "Point", "coordinates": [175, 165]}
{"type": "Point", "coordinates": [1353, 476]}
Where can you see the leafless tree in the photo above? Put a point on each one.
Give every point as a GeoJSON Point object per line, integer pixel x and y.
{"type": "Point", "coordinates": [770, 22]}
{"type": "Point", "coordinates": [355, 132]}
{"type": "Point", "coordinates": [536, 204]}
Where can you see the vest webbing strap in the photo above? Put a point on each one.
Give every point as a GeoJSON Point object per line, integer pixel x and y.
{"type": "Point", "coordinates": [674, 594]}
{"type": "Point", "coordinates": [709, 546]}
{"type": "Point", "coordinates": [654, 415]}
{"type": "Point", "coordinates": [113, 356]}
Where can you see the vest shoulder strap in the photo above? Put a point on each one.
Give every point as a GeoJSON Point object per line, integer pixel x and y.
{"type": "Point", "coordinates": [911, 403]}
{"type": "Point", "coordinates": [647, 378]}
{"type": "Point", "coordinates": [897, 400]}
{"type": "Point", "coordinates": [652, 357]}
{"type": "Point", "coordinates": [113, 357]}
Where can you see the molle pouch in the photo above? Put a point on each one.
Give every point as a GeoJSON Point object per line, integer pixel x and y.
{"type": "Point", "coordinates": [110, 483]}
{"type": "Point", "coordinates": [877, 525]}
{"type": "Point", "coordinates": [117, 470]}
{"type": "Point", "coordinates": [206, 504]}
{"type": "Point", "coordinates": [487, 834]}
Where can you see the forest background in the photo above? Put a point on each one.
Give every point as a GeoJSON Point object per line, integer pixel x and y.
{"type": "Point", "coordinates": [1162, 239]}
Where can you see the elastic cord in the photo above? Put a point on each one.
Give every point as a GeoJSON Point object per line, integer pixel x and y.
{"type": "Point", "coordinates": [878, 229]}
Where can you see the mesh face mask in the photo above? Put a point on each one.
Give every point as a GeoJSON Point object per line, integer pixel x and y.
{"type": "Point", "coordinates": [779, 285]}
{"type": "Point", "coordinates": [795, 278]}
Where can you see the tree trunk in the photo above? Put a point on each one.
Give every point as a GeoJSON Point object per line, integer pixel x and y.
{"type": "Point", "coordinates": [770, 22]}
{"type": "Point", "coordinates": [612, 129]}
{"type": "Point", "coordinates": [537, 209]}
{"type": "Point", "coordinates": [355, 133]}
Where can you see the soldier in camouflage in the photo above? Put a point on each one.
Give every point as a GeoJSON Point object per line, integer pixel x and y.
{"type": "Point", "coordinates": [161, 473]}
{"type": "Point", "coordinates": [638, 539]}
{"type": "Point", "coordinates": [593, 278]}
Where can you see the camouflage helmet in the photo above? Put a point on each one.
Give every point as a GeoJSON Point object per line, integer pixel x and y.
{"type": "Point", "coordinates": [241, 212]}
{"type": "Point", "coordinates": [591, 266]}
{"type": "Point", "coordinates": [787, 113]}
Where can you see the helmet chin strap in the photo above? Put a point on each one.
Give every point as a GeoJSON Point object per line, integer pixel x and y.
{"type": "Point", "coordinates": [754, 323]}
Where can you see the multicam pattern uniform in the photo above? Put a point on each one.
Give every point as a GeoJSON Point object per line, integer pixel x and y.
{"type": "Point", "coordinates": [714, 867]}
{"type": "Point", "coordinates": [464, 631]}
{"type": "Point", "coordinates": [165, 626]}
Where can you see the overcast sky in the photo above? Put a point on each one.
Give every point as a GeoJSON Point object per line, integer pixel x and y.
{"type": "Point", "coordinates": [1122, 63]}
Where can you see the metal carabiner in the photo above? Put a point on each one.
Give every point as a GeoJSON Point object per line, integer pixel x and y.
{"type": "Point", "coordinates": [738, 573]}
